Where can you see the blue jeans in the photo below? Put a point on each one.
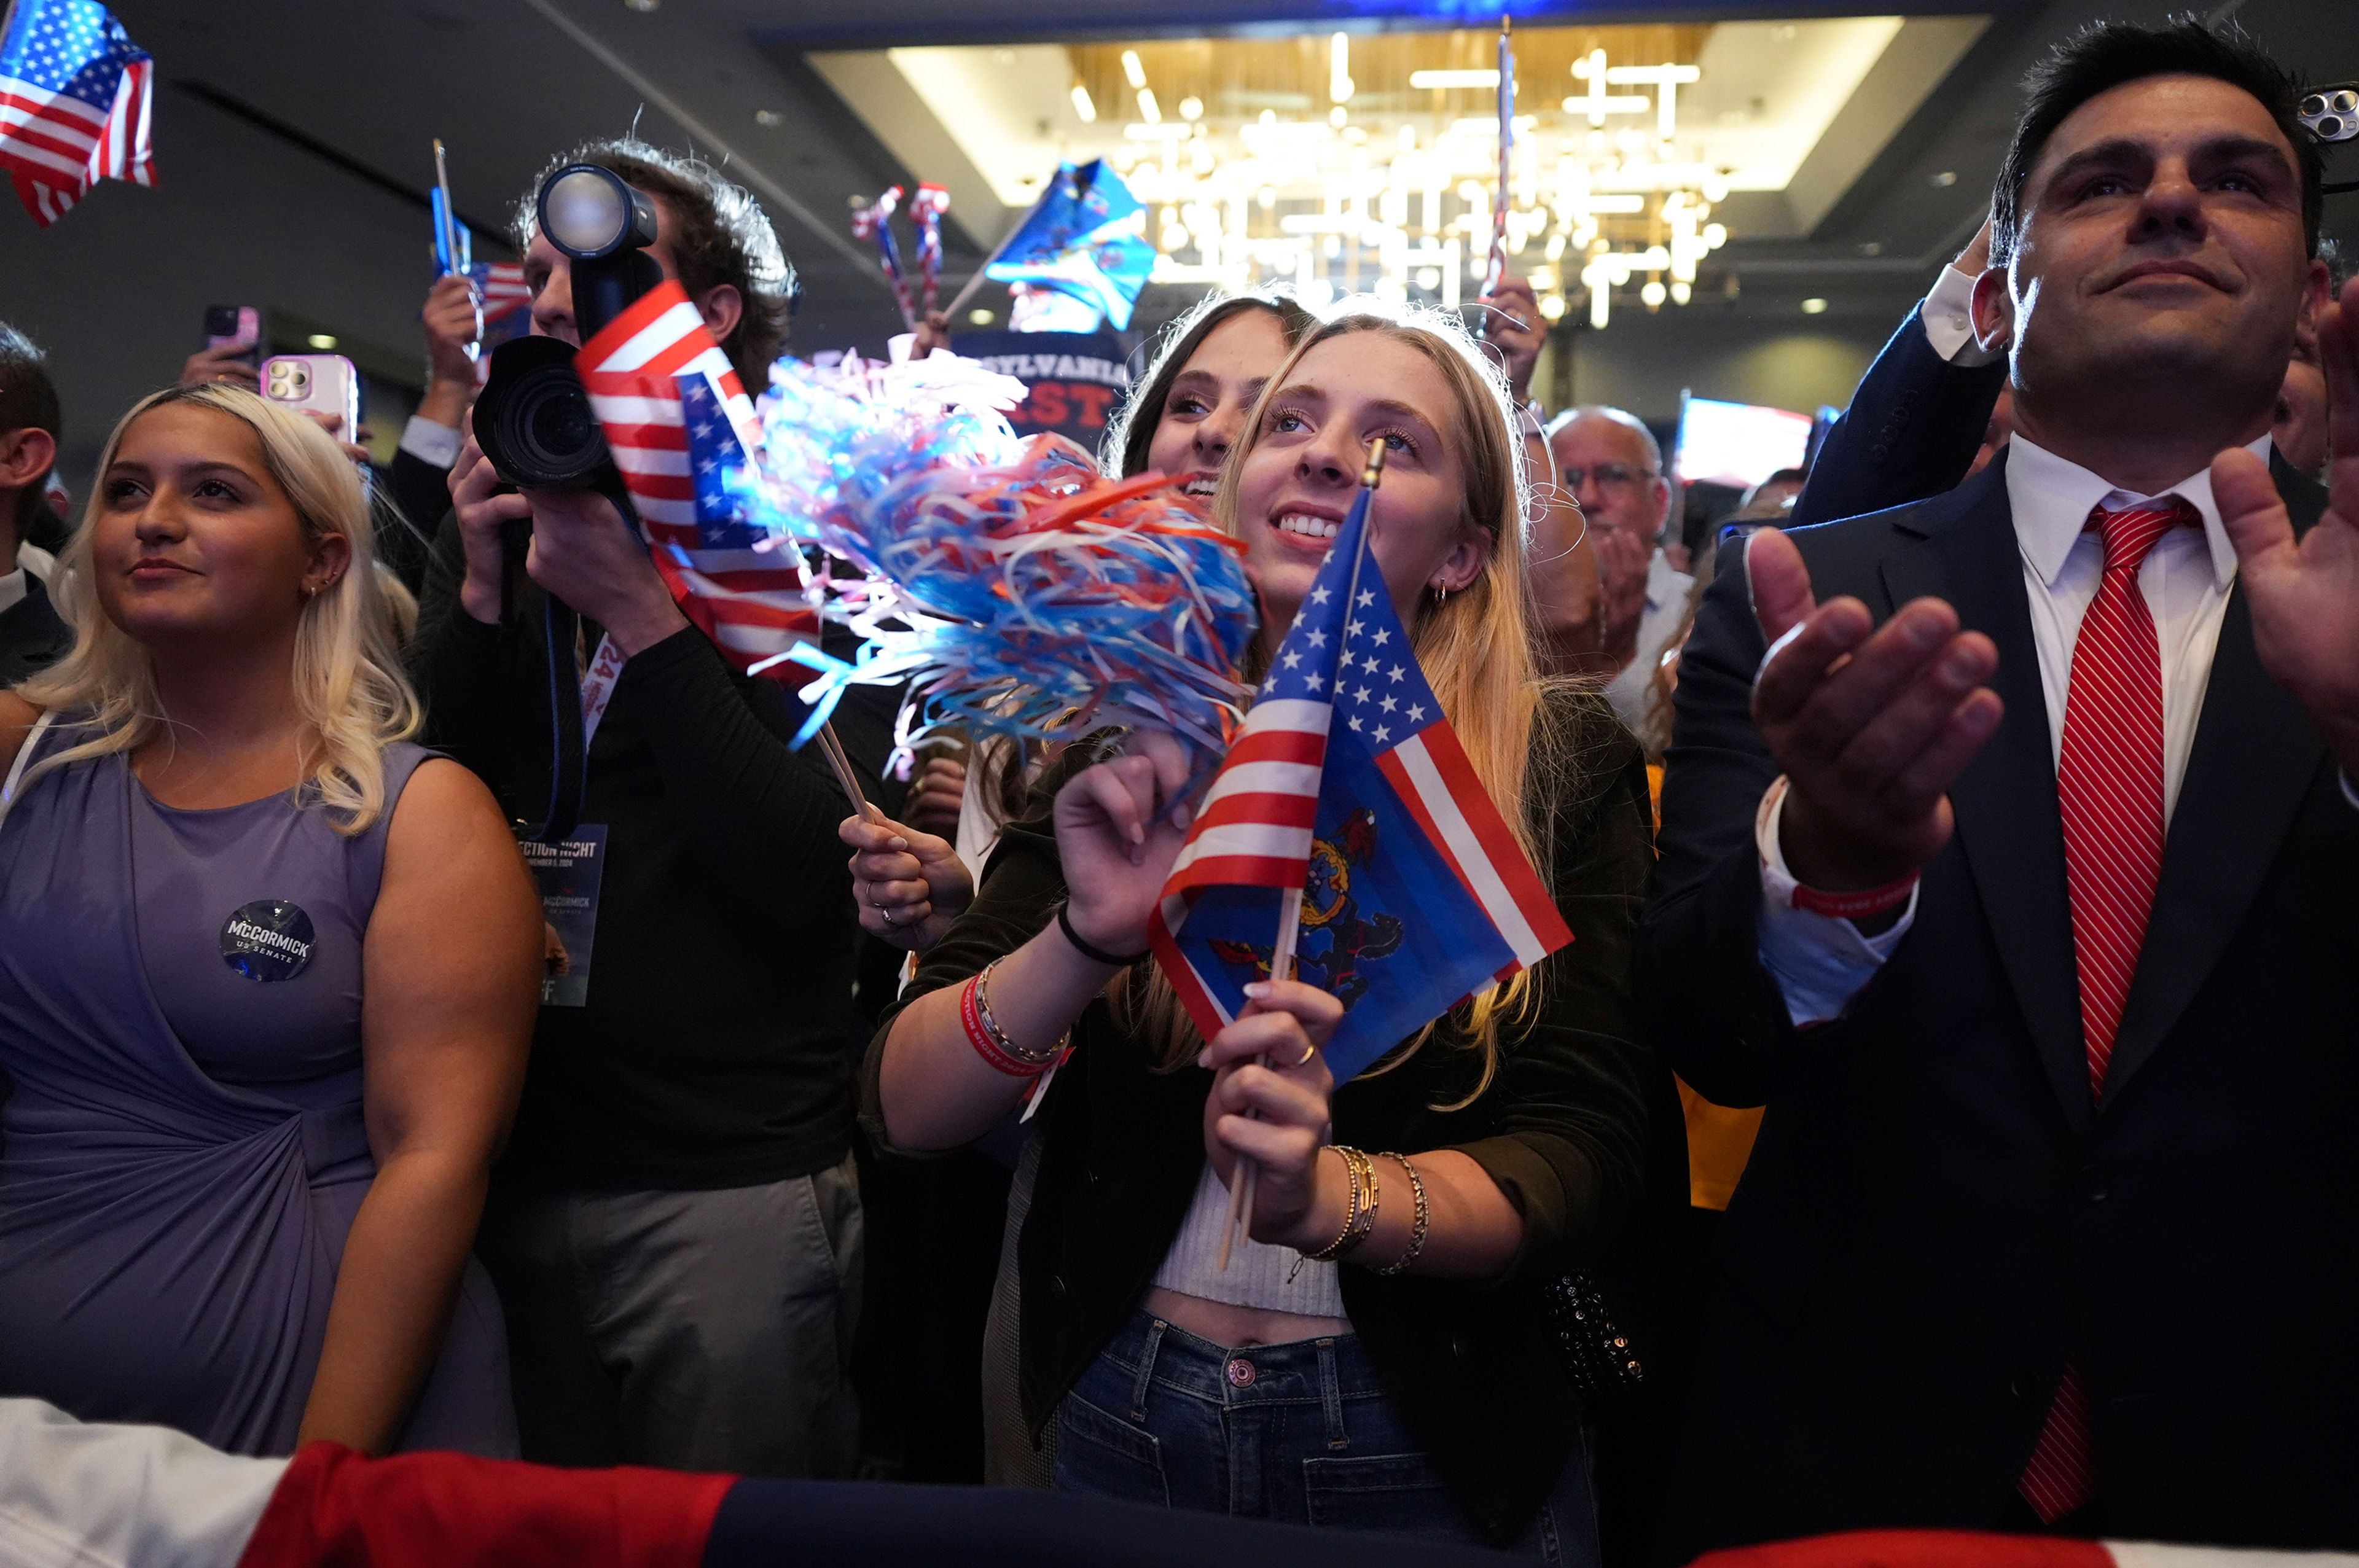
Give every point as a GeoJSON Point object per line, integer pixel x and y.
{"type": "Point", "coordinates": [1299, 1433]}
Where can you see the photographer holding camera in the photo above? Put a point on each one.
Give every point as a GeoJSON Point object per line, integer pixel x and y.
{"type": "Point", "coordinates": [676, 1229]}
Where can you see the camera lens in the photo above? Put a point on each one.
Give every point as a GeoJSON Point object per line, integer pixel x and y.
{"type": "Point", "coordinates": [559, 426]}
{"type": "Point", "coordinates": [2332, 127]}
{"type": "Point", "coordinates": [2313, 106]}
{"type": "Point", "coordinates": [587, 211]}
{"type": "Point", "coordinates": [2344, 103]}
{"type": "Point", "coordinates": [533, 419]}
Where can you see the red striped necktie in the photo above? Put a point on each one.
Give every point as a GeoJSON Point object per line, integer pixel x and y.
{"type": "Point", "coordinates": [2109, 782]}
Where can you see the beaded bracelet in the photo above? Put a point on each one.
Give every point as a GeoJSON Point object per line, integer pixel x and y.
{"type": "Point", "coordinates": [1417, 1229]}
{"type": "Point", "coordinates": [992, 1043]}
{"type": "Point", "coordinates": [1360, 1217]}
{"type": "Point", "coordinates": [1000, 1037]}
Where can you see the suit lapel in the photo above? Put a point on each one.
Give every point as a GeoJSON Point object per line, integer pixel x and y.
{"type": "Point", "coordinates": [2255, 755]}
{"type": "Point", "coordinates": [2008, 822]}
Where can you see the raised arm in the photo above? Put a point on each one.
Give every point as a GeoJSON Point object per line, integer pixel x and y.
{"type": "Point", "coordinates": [450, 979]}
{"type": "Point", "coordinates": [1115, 841]}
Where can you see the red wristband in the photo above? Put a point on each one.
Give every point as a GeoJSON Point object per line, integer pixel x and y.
{"type": "Point", "coordinates": [1855, 905]}
{"type": "Point", "coordinates": [980, 1038]}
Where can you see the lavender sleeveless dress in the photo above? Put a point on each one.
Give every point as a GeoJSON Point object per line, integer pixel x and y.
{"type": "Point", "coordinates": [181, 1149]}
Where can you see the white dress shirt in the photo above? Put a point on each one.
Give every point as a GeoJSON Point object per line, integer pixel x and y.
{"type": "Point", "coordinates": [1947, 315]}
{"type": "Point", "coordinates": [1667, 588]}
{"type": "Point", "coordinates": [1820, 962]}
{"type": "Point", "coordinates": [435, 445]}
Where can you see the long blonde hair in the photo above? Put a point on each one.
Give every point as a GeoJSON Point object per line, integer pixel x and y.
{"type": "Point", "coordinates": [1479, 648]}
{"type": "Point", "coordinates": [347, 675]}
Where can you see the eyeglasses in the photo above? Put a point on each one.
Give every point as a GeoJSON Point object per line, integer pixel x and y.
{"type": "Point", "coordinates": [1609, 477]}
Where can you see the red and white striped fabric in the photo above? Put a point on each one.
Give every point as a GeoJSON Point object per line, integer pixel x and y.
{"type": "Point", "coordinates": [1254, 827]}
{"type": "Point", "coordinates": [76, 102]}
{"type": "Point", "coordinates": [504, 287]}
{"type": "Point", "coordinates": [1436, 780]}
{"type": "Point", "coordinates": [752, 603]}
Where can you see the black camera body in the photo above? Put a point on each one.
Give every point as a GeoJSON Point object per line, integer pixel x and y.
{"type": "Point", "coordinates": [535, 425]}
{"type": "Point", "coordinates": [533, 419]}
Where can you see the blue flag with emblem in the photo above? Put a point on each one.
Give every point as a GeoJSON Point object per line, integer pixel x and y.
{"type": "Point", "coordinates": [1347, 782]}
{"type": "Point", "coordinates": [1082, 239]}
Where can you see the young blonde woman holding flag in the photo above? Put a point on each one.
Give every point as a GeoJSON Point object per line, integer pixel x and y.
{"type": "Point", "coordinates": [1403, 1381]}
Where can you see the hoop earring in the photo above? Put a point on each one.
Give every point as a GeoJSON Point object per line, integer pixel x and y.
{"type": "Point", "coordinates": [1440, 594]}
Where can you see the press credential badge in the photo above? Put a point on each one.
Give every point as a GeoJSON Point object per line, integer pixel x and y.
{"type": "Point", "coordinates": [567, 873]}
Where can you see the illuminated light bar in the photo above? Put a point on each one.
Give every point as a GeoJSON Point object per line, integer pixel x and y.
{"type": "Point", "coordinates": [1424, 79]}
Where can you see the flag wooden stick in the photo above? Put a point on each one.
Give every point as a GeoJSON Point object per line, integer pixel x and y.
{"type": "Point", "coordinates": [1495, 269]}
{"type": "Point", "coordinates": [1289, 907]}
{"type": "Point", "coordinates": [966, 290]}
{"type": "Point", "coordinates": [833, 749]}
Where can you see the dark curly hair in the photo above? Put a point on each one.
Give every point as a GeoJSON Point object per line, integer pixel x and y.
{"type": "Point", "coordinates": [718, 234]}
{"type": "Point", "coordinates": [29, 401]}
{"type": "Point", "coordinates": [2106, 54]}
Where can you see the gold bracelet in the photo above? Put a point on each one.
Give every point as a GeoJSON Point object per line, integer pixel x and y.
{"type": "Point", "coordinates": [1345, 1237]}
{"type": "Point", "coordinates": [1000, 1037]}
{"type": "Point", "coordinates": [1417, 1228]}
{"type": "Point", "coordinates": [1367, 1225]}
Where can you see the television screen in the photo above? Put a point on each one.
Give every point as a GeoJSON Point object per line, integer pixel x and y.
{"type": "Point", "coordinates": [1738, 444]}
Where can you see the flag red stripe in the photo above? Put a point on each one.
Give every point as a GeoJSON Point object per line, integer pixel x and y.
{"type": "Point", "coordinates": [1498, 840]}
{"type": "Point", "coordinates": [1271, 745]}
{"type": "Point", "coordinates": [1186, 983]}
{"type": "Point", "coordinates": [1241, 871]}
{"type": "Point", "coordinates": [1276, 810]}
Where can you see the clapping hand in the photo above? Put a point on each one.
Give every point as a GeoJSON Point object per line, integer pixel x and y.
{"type": "Point", "coordinates": [1870, 725]}
{"type": "Point", "coordinates": [2305, 593]}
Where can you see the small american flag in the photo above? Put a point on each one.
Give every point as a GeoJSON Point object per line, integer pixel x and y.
{"type": "Point", "coordinates": [1347, 782]}
{"type": "Point", "coordinates": [677, 421]}
{"type": "Point", "coordinates": [75, 99]}
{"type": "Point", "coordinates": [501, 287]}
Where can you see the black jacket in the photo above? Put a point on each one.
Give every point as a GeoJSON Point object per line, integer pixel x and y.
{"type": "Point", "coordinates": [32, 635]}
{"type": "Point", "coordinates": [717, 1046]}
{"type": "Point", "coordinates": [1911, 431]}
{"type": "Point", "coordinates": [1936, 1217]}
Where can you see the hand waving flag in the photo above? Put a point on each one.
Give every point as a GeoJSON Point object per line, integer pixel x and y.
{"type": "Point", "coordinates": [1346, 780]}
{"type": "Point", "coordinates": [677, 420]}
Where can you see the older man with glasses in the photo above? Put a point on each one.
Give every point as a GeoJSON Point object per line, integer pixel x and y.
{"type": "Point", "coordinates": [1609, 462]}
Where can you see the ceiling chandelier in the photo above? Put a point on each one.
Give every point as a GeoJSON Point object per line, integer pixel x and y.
{"type": "Point", "coordinates": [1346, 165]}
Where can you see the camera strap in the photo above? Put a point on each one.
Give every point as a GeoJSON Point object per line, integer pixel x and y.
{"type": "Point", "coordinates": [568, 744]}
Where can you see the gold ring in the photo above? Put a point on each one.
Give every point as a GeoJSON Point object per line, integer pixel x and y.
{"type": "Point", "coordinates": [1308, 1051]}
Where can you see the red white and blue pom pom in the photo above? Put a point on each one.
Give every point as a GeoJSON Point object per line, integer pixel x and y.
{"type": "Point", "coordinates": [1020, 592]}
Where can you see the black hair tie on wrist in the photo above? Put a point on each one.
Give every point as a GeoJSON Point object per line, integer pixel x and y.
{"type": "Point", "coordinates": [1088, 949]}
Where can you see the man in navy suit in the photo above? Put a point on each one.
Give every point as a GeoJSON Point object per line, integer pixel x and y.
{"type": "Point", "coordinates": [2008, 857]}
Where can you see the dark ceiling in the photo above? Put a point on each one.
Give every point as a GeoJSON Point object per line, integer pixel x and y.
{"type": "Point", "coordinates": [503, 82]}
